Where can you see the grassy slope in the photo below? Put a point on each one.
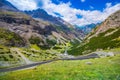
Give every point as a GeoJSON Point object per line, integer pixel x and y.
{"type": "Point", "coordinates": [100, 69]}
{"type": "Point", "coordinates": [99, 42]}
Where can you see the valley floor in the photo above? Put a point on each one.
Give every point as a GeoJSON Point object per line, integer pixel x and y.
{"type": "Point", "coordinates": [107, 68]}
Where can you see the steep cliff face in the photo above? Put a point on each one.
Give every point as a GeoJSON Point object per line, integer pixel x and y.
{"type": "Point", "coordinates": [104, 36]}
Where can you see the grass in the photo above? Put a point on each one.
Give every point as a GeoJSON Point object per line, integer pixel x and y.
{"type": "Point", "coordinates": [98, 42]}
{"type": "Point", "coordinates": [7, 55]}
{"type": "Point", "coordinates": [99, 69]}
{"type": "Point", "coordinates": [34, 46]}
{"type": "Point", "coordinates": [9, 58]}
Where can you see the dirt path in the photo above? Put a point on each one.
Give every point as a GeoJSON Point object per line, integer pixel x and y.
{"type": "Point", "coordinates": [27, 61]}
{"type": "Point", "coordinates": [90, 56]}
{"type": "Point", "coordinates": [25, 66]}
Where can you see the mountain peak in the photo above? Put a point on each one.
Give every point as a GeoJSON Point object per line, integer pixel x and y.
{"type": "Point", "coordinates": [43, 15]}
{"type": "Point", "coordinates": [5, 5]}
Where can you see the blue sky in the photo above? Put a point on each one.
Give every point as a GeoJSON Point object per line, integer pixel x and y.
{"type": "Point", "coordinates": [88, 4]}
{"type": "Point", "coordinates": [76, 12]}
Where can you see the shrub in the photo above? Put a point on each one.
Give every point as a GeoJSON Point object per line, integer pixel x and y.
{"type": "Point", "coordinates": [35, 40]}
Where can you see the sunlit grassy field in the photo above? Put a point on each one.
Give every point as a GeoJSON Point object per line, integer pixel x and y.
{"type": "Point", "coordinates": [93, 69]}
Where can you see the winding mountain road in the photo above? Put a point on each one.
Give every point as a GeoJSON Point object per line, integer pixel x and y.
{"type": "Point", "coordinates": [90, 56]}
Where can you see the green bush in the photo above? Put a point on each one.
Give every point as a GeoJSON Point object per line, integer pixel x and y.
{"type": "Point", "coordinates": [51, 42]}
{"type": "Point", "coordinates": [35, 40]}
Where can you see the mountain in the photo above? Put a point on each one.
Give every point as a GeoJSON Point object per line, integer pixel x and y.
{"type": "Point", "coordinates": [26, 39]}
{"type": "Point", "coordinates": [37, 31]}
{"type": "Point", "coordinates": [43, 15]}
{"type": "Point", "coordinates": [104, 36]}
{"type": "Point", "coordinates": [27, 27]}
{"type": "Point", "coordinates": [88, 28]}
{"type": "Point", "coordinates": [113, 21]}
{"type": "Point", "coordinates": [47, 29]}
{"type": "Point", "coordinates": [5, 5]}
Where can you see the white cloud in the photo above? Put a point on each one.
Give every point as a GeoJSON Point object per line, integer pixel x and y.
{"type": "Point", "coordinates": [108, 5]}
{"type": "Point", "coordinates": [24, 4]}
{"type": "Point", "coordinates": [69, 14]}
{"type": "Point", "coordinates": [91, 7]}
{"type": "Point", "coordinates": [88, 17]}
{"type": "Point", "coordinates": [82, 0]}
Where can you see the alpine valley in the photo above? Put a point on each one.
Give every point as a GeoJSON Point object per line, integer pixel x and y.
{"type": "Point", "coordinates": [30, 38]}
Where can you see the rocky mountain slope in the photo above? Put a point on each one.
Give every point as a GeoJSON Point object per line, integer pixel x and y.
{"type": "Point", "coordinates": [60, 24]}
{"type": "Point", "coordinates": [104, 36]}
{"type": "Point", "coordinates": [111, 22]}
{"type": "Point", "coordinates": [32, 30]}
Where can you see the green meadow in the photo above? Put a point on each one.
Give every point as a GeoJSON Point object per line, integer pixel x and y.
{"type": "Point", "coordinates": [107, 68]}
